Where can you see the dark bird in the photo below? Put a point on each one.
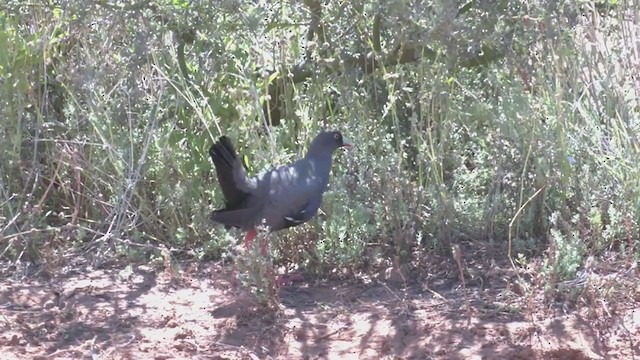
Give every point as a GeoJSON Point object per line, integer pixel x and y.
{"type": "Point", "coordinates": [280, 198]}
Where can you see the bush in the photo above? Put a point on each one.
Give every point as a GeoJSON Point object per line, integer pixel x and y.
{"type": "Point", "coordinates": [491, 123]}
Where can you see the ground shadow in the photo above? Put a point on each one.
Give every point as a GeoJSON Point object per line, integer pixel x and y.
{"type": "Point", "coordinates": [139, 312]}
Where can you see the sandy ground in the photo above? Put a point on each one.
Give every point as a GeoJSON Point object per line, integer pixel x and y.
{"type": "Point", "coordinates": [146, 314]}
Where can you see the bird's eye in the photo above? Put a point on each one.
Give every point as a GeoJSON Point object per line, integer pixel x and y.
{"type": "Point", "coordinates": [336, 136]}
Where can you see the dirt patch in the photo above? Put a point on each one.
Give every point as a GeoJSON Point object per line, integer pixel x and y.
{"type": "Point", "coordinates": [116, 314]}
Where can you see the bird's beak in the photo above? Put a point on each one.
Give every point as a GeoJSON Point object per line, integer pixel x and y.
{"type": "Point", "coordinates": [346, 143]}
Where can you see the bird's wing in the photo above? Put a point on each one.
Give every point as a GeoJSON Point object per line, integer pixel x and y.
{"type": "Point", "coordinates": [295, 193]}
{"type": "Point", "coordinates": [244, 218]}
{"type": "Point", "coordinates": [304, 214]}
{"type": "Point", "coordinates": [285, 196]}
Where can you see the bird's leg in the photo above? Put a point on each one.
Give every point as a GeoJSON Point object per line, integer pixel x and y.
{"type": "Point", "coordinates": [248, 239]}
{"type": "Point", "coordinates": [264, 247]}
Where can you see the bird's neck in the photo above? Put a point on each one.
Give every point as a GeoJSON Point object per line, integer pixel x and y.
{"type": "Point", "coordinates": [314, 149]}
{"type": "Point", "coordinates": [321, 161]}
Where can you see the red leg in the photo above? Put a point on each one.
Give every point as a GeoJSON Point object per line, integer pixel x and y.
{"type": "Point", "coordinates": [264, 247]}
{"type": "Point", "coordinates": [248, 239]}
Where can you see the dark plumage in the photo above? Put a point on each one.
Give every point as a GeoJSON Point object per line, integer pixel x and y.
{"type": "Point", "coordinates": [280, 198]}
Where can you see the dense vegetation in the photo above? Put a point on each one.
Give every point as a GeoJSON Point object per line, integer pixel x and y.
{"type": "Point", "coordinates": [512, 124]}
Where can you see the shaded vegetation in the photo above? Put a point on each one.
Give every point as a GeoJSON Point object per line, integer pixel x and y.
{"type": "Point", "coordinates": [510, 123]}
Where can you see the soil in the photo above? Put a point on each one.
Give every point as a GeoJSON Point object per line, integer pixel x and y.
{"type": "Point", "coordinates": [142, 313]}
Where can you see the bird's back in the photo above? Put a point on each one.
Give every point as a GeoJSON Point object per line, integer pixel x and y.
{"type": "Point", "coordinates": [282, 197]}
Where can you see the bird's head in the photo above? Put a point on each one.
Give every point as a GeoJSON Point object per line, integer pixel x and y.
{"type": "Point", "coordinates": [327, 142]}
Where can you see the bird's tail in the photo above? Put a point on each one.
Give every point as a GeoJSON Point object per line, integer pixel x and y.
{"type": "Point", "coordinates": [223, 154]}
{"type": "Point", "coordinates": [225, 160]}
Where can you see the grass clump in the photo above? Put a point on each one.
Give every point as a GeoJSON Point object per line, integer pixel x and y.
{"type": "Point", "coordinates": [512, 126]}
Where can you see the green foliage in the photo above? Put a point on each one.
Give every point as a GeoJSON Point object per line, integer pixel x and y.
{"type": "Point", "coordinates": [566, 253]}
{"type": "Point", "coordinates": [491, 123]}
